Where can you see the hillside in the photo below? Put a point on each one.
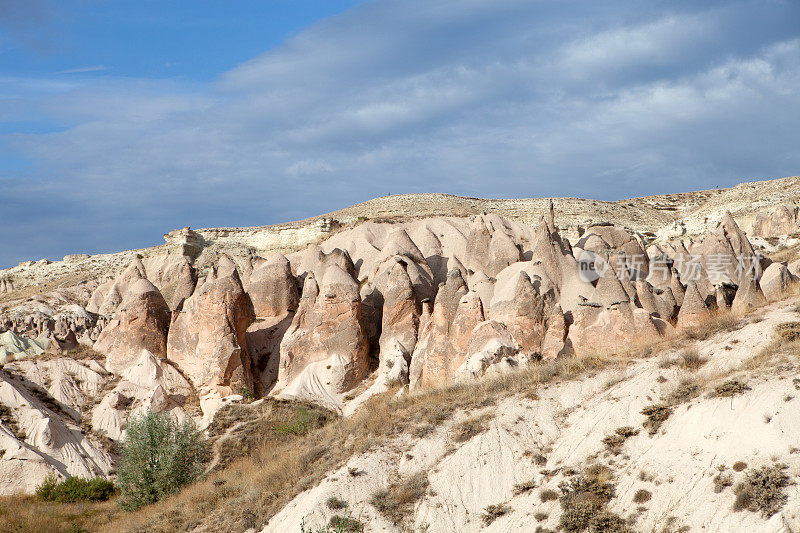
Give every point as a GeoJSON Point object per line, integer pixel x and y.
{"type": "Point", "coordinates": [426, 363]}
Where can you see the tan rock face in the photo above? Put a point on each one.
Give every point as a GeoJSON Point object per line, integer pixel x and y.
{"type": "Point", "coordinates": [328, 328]}
{"type": "Point", "coordinates": [140, 323]}
{"type": "Point", "coordinates": [781, 221]}
{"type": "Point", "coordinates": [694, 311]}
{"type": "Point", "coordinates": [109, 295]}
{"type": "Point", "coordinates": [748, 297]}
{"type": "Point", "coordinates": [776, 282]}
{"type": "Point", "coordinates": [207, 339]}
{"type": "Point", "coordinates": [273, 288]}
{"type": "Point", "coordinates": [524, 313]}
{"type": "Point", "coordinates": [598, 329]}
{"type": "Point", "coordinates": [443, 340]}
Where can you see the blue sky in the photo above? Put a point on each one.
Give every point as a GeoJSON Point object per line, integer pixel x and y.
{"type": "Point", "coordinates": [122, 120]}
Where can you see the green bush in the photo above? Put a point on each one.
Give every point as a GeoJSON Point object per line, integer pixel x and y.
{"type": "Point", "coordinates": [75, 489]}
{"type": "Point", "coordinates": [159, 456]}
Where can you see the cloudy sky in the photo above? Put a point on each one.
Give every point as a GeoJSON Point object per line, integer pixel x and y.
{"type": "Point", "coordinates": [123, 119]}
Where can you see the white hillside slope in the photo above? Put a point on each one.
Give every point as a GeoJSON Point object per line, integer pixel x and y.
{"type": "Point", "coordinates": [566, 423]}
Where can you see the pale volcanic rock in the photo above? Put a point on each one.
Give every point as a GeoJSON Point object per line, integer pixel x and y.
{"type": "Point", "coordinates": [140, 323]}
{"type": "Point", "coordinates": [491, 350]}
{"type": "Point", "coordinates": [596, 328]}
{"type": "Point", "coordinates": [779, 222]}
{"type": "Point", "coordinates": [207, 339]}
{"type": "Point", "coordinates": [326, 346]}
{"type": "Point", "coordinates": [273, 288]}
{"type": "Point", "coordinates": [108, 296]}
{"type": "Point", "coordinates": [443, 341]}
{"type": "Point", "coordinates": [727, 254]}
{"type": "Point", "coordinates": [523, 310]}
{"type": "Point", "coordinates": [748, 296]}
{"type": "Point", "coordinates": [776, 282]}
{"type": "Point", "coordinates": [174, 276]}
{"type": "Point", "coordinates": [694, 311]}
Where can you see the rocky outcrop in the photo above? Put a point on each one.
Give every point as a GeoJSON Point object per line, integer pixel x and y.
{"type": "Point", "coordinates": [694, 311]}
{"type": "Point", "coordinates": [325, 351]}
{"type": "Point", "coordinates": [140, 323]}
{"type": "Point", "coordinates": [207, 339]}
{"type": "Point", "coordinates": [776, 282]}
{"type": "Point", "coordinates": [748, 297]}
{"type": "Point", "coordinates": [443, 339]}
{"type": "Point", "coordinates": [273, 288]}
{"type": "Point", "coordinates": [779, 222]}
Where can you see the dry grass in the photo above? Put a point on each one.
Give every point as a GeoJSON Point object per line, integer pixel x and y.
{"type": "Point", "coordinates": [397, 502]}
{"type": "Point", "coordinates": [783, 348]}
{"type": "Point", "coordinates": [616, 440]}
{"type": "Point", "coordinates": [26, 514]}
{"type": "Point", "coordinates": [691, 360]}
{"type": "Point", "coordinates": [717, 322]}
{"type": "Point", "coordinates": [474, 425]}
{"type": "Point", "coordinates": [493, 512]}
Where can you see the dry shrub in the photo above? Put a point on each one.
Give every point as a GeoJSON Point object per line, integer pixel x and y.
{"type": "Point", "coordinates": [548, 495]}
{"type": "Point", "coordinates": [685, 391]}
{"type": "Point", "coordinates": [584, 496]}
{"type": "Point", "coordinates": [397, 502]}
{"type": "Point", "coordinates": [738, 466]}
{"type": "Point", "coordinates": [615, 441]}
{"type": "Point", "coordinates": [642, 496]}
{"type": "Point", "coordinates": [466, 429]}
{"type": "Point", "coordinates": [730, 388]}
{"type": "Point", "coordinates": [493, 512]}
{"type": "Point", "coordinates": [691, 360]}
{"type": "Point", "coordinates": [525, 486]}
{"type": "Point", "coordinates": [656, 415]}
{"type": "Point", "coordinates": [763, 490]}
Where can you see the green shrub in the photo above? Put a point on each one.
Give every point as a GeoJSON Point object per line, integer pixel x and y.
{"type": "Point", "coordinates": [345, 524]}
{"type": "Point", "coordinates": [75, 489]}
{"type": "Point", "coordinates": [159, 456]}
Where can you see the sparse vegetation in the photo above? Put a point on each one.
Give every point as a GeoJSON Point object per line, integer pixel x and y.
{"type": "Point", "coordinates": [525, 486]}
{"type": "Point", "coordinates": [615, 441]}
{"type": "Point", "coordinates": [722, 481]}
{"type": "Point", "coordinates": [335, 503]}
{"type": "Point", "coordinates": [642, 496]}
{"type": "Point", "coordinates": [763, 490]}
{"type": "Point", "coordinates": [159, 456]}
{"type": "Point", "coordinates": [730, 388]}
{"type": "Point", "coordinates": [493, 512]}
{"type": "Point", "coordinates": [548, 495]}
{"type": "Point", "coordinates": [74, 489]}
{"type": "Point", "coordinates": [397, 502]}
{"type": "Point", "coordinates": [345, 524]}
{"type": "Point", "coordinates": [656, 415]}
{"type": "Point", "coordinates": [10, 422]}
{"type": "Point", "coordinates": [691, 360]}
{"type": "Point", "coordinates": [466, 429]}
{"type": "Point", "coordinates": [738, 466]}
{"type": "Point", "coordinates": [584, 497]}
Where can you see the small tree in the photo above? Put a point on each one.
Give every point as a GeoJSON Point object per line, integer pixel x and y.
{"type": "Point", "coordinates": [159, 456]}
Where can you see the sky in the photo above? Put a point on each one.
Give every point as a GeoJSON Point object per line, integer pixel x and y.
{"type": "Point", "coordinates": [122, 120]}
